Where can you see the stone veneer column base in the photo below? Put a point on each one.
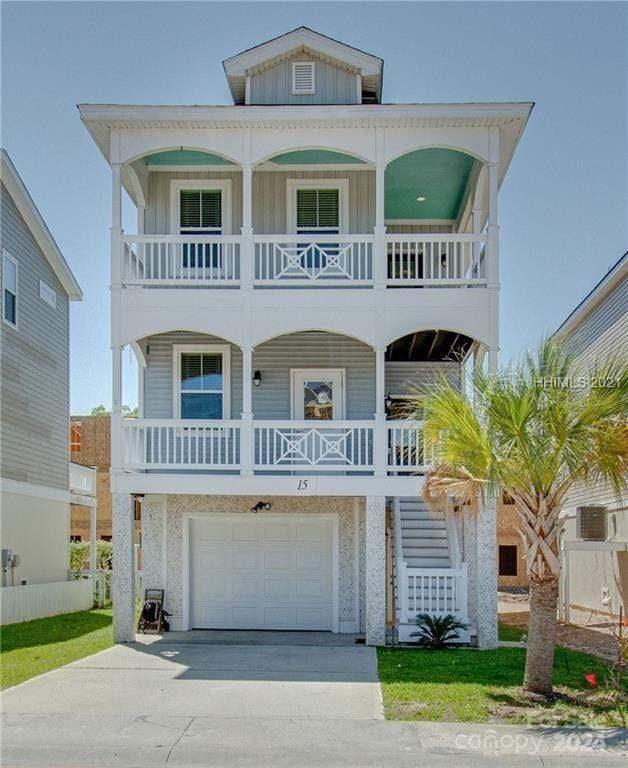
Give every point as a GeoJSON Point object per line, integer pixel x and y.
{"type": "Point", "coordinates": [486, 579]}
{"type": "Point", "coordinates": [123, 577]}
{"type": "Point", "coordinates": [375, 570]}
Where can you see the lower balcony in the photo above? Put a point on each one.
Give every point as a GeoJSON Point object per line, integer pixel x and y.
{"type": "Point", "coordinates": [282, 447]}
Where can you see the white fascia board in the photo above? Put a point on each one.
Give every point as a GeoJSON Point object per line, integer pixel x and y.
{"type": "Point", "coordinates": [298, 38]}
{"type": "Point", "coordinates": [613, 278]}
{"type": "Point", "coordinates": [37, 226]}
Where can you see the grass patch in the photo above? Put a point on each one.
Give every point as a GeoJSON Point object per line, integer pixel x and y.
{"type": "Point", "coordinates": [33, 647]}
{"type": "Point", "coordinates": [469, 685]}
{"type": "Point", "coordinates": [508, 632]}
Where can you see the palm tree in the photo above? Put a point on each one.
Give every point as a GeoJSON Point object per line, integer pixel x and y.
{"type": "Point", "coordinates": [532, 431]}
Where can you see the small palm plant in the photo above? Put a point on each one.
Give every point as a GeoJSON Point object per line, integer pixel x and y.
{"type": "Point", "coordinates": [437, 632]}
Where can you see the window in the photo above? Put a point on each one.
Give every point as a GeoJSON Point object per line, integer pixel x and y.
{"type": "Point", "coordinates": [75, 537]}
{"type": "Point", "coordinates": [76, 435]}
{"type": "Point", "coordinates": [9, 289]}
{"type": "Point", "coordinates": [200, 211]}
{"type": "Point", "coordinates": [202, 382]}
{"type": "Point", "coordinates": [318, 211]}
{"type": "Point", "coordinates": [47, 294]}
{"type": "Point", "coordinates": [507, 559]}
{"type": "Point", "coordinates": [303, 77]}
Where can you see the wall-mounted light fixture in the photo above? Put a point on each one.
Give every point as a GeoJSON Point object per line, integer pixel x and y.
{"type": "Point", "coordinates": [257, 379]}
{"type": "Point", "coordinates": [388, 401]}
{"type": "Point", "coordinates": [261, 506]}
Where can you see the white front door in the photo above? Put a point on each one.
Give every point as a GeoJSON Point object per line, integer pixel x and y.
{"type": "Point", "coordinates": [318, 394]}
{"type": "Point", "coordinates": [251, 571]}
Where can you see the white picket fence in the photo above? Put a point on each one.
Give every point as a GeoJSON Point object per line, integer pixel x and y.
{"type": "Point", "coordinates": [36, 601]}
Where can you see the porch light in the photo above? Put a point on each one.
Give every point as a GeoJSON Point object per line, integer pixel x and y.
{"type": "Point", "coordinates": [261, 505]}
{"type": "Point", "coordinates": [388, 401]}
{"type": "Point", "coordinates": [257, 379]}
{"type": "Point", "coordinates": [421, 199]}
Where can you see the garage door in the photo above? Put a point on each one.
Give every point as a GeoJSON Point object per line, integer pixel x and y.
{"type": "Point", "coordinates": [261, 572]}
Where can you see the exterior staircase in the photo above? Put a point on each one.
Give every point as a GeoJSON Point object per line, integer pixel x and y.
{"type": "Point", "coordinates": [428, 575]}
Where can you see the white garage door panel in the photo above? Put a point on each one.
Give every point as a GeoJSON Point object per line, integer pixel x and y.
{"type": "Point", "coordinates": [261, 572]}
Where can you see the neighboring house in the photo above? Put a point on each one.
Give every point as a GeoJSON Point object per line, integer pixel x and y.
{"type": "Point", "coordinates": [37, 286]}
{"type": "Point", "coordinates": [511, 553]}
{"type": "Point", "coordinates": [595, 542]}
{"type": "Point", "coordinates": [302, 257]}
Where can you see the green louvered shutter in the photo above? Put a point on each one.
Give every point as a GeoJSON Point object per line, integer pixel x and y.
{"type": "Point", "coordinates": [318, 210]}
{"type": "Point", "coordinates": [200, 211]}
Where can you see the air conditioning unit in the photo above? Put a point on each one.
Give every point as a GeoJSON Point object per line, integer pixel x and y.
{"type": "Point", "coordinates": [592, 523]}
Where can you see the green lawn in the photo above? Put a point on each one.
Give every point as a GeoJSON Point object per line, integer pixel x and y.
{"type": "Point", "coordinates": [469, 685]}
{"type": "Point", "coordinates": [508, 632]}
{"type": "Point", "coordinates": [33, 647]}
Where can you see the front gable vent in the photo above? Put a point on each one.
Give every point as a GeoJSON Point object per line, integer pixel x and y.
{"type": "Point", "coordinates": [303, 77]}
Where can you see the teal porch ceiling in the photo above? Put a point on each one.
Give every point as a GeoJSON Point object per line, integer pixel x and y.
{"type": "Point", "coordinates": [440, 175]}
{"type": "Point", "coordinates": [314, 157]}
{"type": "Point", "coordinates": [185, 157]}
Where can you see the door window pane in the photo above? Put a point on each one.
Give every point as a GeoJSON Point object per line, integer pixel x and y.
{"type": "Point", "coordinates": [318, 400]}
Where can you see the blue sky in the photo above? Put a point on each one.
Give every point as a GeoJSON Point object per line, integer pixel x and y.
{"type": "Point", "coordinates": [563, 207]}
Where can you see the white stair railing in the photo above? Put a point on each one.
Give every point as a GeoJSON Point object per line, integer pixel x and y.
{"type": "Point", "coordinates": [435, 591]}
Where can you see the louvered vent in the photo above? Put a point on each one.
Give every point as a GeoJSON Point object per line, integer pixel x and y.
{"type": "Point", "coordinates": [303, 77]}
{"type": "Point", "coordinates": [591, 523]}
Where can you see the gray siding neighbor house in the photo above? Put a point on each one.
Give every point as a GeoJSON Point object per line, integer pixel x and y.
{"type": "Point", "coordinates": [596, 571]}
{"type": "Point", "coordinates": [37, 286]}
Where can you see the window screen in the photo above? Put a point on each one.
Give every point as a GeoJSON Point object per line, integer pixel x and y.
{"type": "Point", "coordinates": [508, 560]}
{"type": "Point", "coordinates": [202, 385]}
{"type": "Point", "coordinates": [318, 210]}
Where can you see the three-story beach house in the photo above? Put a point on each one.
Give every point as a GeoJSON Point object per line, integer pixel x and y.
{"type": "Point", "coordinates": [302, 258]}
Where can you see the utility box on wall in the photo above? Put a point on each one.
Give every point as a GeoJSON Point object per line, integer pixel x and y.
{"type": "Point", "coordinates": [592, 523]}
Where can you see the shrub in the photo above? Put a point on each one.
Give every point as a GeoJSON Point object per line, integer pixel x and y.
{"type": "Point", "coordinates": [437, 632]}
{"type": "Point", "coordinates": [79, 555]}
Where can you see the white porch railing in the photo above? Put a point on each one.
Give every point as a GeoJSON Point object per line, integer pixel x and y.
{"type": "Point", "coordinates": [154, 444]}
{"type": "Point", "coordinates": [408, 450]}
{"type": "Point", "coordinates": [436, 260]}
{"type": "Point", "coordinates": [330, 260]}
{"type": "Point", "coordinates": [82, 479]}
{"type": "Point", "coordinates": [435, 591]}
{"type": "Point", "coordinates": [342, 446]}
{"type": "Point", "coordinates": [152, 260]}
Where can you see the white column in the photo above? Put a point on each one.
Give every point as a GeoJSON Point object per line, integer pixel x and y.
{"type": "Point", "coordinates": [381, 438]}
{"type": "Point", "coordinates": [493, 225]}
{"type": "Point", "coordinates": [380, 260]}
{"type": "Point", "coordinates": [116, 225]}
{"type": "Point", "coordinates": [123, 576]}
{"type": "Point", "coordinates": [486, 575]}
{"type": "Point", "coordinates": [375, 550]}
{"type": "Point", "coordinates": [116, 410]}
{"type": "Point", "coordinates": [247, 267]}
{"type": "Point", "coordinates": [246, 433]}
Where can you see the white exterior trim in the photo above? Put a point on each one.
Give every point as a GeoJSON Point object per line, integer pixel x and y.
{"type": "Point", "coordinates": [342, 185]}
{"type": "Point", "coordinates": [193, 169]}
{"type": "Point", "coordinates": [221, 349]}
{"type": "Point", "coordinates": [37, 227]}
{"type": "Point", "coordinates": [318, 373]}
{"type": "Point", "coordinates": [188, 516]}
{"type": "Point", "coordinates": [222, 185]}
{"type": "Point", "coordinates": [6, 255]}
{"type": "Point", "coordinates": [36, 491]}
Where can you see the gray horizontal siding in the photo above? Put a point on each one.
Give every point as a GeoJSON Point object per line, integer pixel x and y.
{"type": "Point", "coordinates": [333, 84]}
{"type": "Point", "coordinates": [34, 387]}
{"type": "Point", "coordinates": [157, 214]}
{"type": "Point", "coordinates": [313, 349]}
{"type": "Point", "coordinates": [270, 202]}
{"type": "Point", "coordinates": [158, 377]}
{"type": "Point", "coordinates": [402, 378]}
{"type": "Point", "coordinates": [425, 229]}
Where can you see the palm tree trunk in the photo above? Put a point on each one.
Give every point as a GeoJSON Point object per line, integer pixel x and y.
{"type": "Point", "coordinates": [541, 637]}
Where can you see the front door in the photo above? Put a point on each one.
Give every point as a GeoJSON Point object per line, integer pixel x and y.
{"type": "Point", "coordinates": [318, 394]}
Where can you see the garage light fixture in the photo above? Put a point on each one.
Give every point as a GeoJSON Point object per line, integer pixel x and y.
{"type": "Point", "coordinates": [261, 506]}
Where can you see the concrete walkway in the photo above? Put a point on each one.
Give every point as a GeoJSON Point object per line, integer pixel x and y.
{"type": "Point", "coordinates": [160, 702]}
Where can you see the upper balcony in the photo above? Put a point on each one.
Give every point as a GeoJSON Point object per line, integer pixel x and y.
{"type": "Point", "coordinates": [308, 219]}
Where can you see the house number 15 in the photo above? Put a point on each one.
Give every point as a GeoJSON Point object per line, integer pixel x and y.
{"type": "Point", "coordinates": [303, 485]}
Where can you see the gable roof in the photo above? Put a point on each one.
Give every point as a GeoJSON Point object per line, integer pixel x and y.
{"type": "Point", "coordinates": [238, 67]}
{"type": "Point", "coordinates": [615, 275]}
{"type": "Point", "coordinates": [37, 226]}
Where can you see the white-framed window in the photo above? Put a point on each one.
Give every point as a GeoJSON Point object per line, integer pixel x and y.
{"type": "Point", "coordinates": [9, 289]}
{"type": "Point", "coordinates": [47, 294]}
{"type": "Point", "coordinates": [200, 207]}
{"type": "Point", "coordinates": [318, 206]}
{"type": "Point", "coordinates": [201, 382]}
{"type": "Point", "coordinates": [303, 77]}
